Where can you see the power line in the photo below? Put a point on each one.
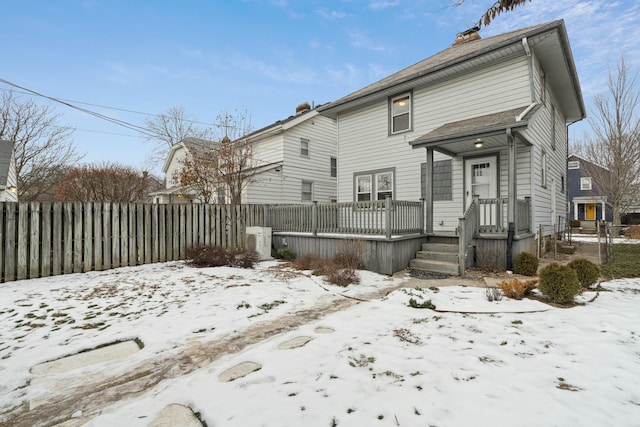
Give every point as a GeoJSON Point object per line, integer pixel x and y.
{"type": "Point", "coordinates": [105, 106]}
{"type": "Point", "coordinates": [119, 122]}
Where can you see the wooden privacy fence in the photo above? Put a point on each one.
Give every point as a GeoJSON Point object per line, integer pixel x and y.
{"type": "Point", "coordinates": [44, 239]}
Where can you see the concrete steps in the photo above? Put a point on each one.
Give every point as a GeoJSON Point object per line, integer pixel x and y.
{"type": "Point", "coordinates": [441, 258]}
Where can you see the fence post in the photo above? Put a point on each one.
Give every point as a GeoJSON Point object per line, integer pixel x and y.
{"type": "Point", "coordinates": [387, 217]}
{"type": "Point", "coordinates": [314, 218]}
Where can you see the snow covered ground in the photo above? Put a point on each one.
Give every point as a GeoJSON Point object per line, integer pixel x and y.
{"type": "Point", "coordinates": [381, 362]}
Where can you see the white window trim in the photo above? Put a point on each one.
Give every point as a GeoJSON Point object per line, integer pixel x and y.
{"type": "Point", "coordinates": [573, 164]}
{"type": "Point", "coordinates": [303, 142]}
{"type": "Point", "coordinates": [310, 193]}
{"type": "Point", "coordinates": [408, 95]}
{"type": "Point", "coordinates": [373, 188]}
{"type": "Point", "coordinates": [585, 183]}
{"type": "Point", "coordinates": [543, 169]}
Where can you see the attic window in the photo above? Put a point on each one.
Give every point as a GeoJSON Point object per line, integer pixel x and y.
{"type": "Point", "coordinates": [400, 113]}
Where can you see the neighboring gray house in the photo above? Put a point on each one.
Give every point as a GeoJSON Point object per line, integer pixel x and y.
{"type": "Point", "coordinates": [295, 158]}
{"type": "Point", "coordinates": [586, 201]}
{"type": "Point", "coordinates": [8, 175]}
{"type": "Point", "coordinates": [479, 131]}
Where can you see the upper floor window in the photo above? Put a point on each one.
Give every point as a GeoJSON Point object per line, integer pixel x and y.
{"type": "Point", "coordinates": [573, 164]}
{"type": "Point", "coordinates": [400, 112]}
{"type": "Point", "coordinates": [307, 191]}
{"type": "Point", "coordinates": [553, 127]}
{"type": "Point", "coordinates": [333, 167]}
{"type": "Point", "coordinates": [585, 183]}
{"type": "Point", "coordinates": [543, 169]}
{"type": "Point", "coordinates": [304, 147]}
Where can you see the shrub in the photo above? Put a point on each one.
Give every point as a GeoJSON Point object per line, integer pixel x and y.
{"type": "Point", "coordinates": [632, 232]}
{"type": "Point", "coordinates": [588, 272]}
{"type": "Point", "coordinates": [426, 304]}
{"type": "Point", "coordinates": [574, 223]}
{"type": "Point", "coordinates": [525, 264]}
{"type": "Point", "coordinates": [217, 256]}
{"type": "Point", "coordinates": [493, 294]}
{"type": "Point", "coordinates": [516, 289]}
{"type": "Point", "coordinates": [349, 255]}
{"type": "Point", "coordinates": [243, 258]}
{"type": "Point", "coordinates": [207, 256]}
{"type": "Point", "coordinates": [286, 253]}
{"type": "Point", "coordinates": [343, 277]}
{"type": "Point", "coordinates": [559, 282]}
{"type": "Point", "coordinates": [308, 262]}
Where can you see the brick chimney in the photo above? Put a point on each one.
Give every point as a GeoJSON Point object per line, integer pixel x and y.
{"type": "Point", "coordinates": [467, 36]}
{"type": "Point", "coordinates": [303, 108]}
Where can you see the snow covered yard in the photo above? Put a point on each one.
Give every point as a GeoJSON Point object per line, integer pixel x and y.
{"type": "Point", "coordinates": [378, 363]}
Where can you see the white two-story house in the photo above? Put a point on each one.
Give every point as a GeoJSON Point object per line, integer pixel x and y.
{"type": "Point", "coordinates": [479, 131]}
{"type": "Point", "coordinates": [294, 161]}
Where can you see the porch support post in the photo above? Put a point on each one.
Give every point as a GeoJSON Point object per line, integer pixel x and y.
{"type": "Point", "coordinates": [575, 210]}
{"type": "Point", "coordinates": [428, 197]}
{"type": "Point", "coordinates": [511, 206]}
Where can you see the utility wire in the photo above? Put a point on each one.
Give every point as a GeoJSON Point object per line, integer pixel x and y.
{"type": "Point", "coordinates": [136, 128]}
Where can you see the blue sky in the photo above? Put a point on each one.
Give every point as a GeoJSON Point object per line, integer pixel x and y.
{"type": "Point", "coordinates": [265, 56]}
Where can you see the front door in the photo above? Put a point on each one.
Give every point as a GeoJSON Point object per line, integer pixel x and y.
{"type": "Point", "coordinates": [480, 179]}
{"type": "Point", "coordinates": [590, 211]}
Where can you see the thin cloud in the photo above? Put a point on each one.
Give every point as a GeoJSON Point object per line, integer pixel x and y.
{"type": "Point", "coordinates": [331, 14]}
{"type": "Point", "coordinates": [285, 72]}
{"type": "Point", "coordinates": [377, 5]}
{"type": "Point", "coordinates": [362, 41]}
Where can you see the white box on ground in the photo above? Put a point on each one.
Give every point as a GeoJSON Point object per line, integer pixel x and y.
{"type": "Point", "coordinates": [259, 239]}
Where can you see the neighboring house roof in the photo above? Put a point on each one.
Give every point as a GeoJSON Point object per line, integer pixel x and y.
{"type": "Point", "coordinates": [281, 125]}
{"type": "Point", "coordinates": [192, 145]}
{"type": "Point", "coordinates": [6, 154]}
{"type": "Point", "coordinates": [549, 41]}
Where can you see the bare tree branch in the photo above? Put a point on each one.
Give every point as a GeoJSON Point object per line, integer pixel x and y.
{"type": "Point", "coordinates": [43, 149]}
{"type": "Point", "coordinates": [614, 146]}
{"type": "Point", "coordinates": [170, 128]}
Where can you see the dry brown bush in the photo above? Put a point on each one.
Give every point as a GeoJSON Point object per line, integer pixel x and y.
{"type": "Point", "coordinates": [632, 232]}
{"type": "Point", "coordinates": [343, 277]}
{"type": "Point", "coordinates": [517, 289]}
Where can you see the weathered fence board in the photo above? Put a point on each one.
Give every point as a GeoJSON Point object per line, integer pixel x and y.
{"type": "Point", "coordinates": [44, 239]}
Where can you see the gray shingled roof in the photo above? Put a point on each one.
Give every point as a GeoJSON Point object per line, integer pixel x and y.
{"type": "Point", "coordinates": [472, 126]}
{"type": "Point", "coordinates": [458, 54]}
{"type": "Point", "coordinates": [6, 152]}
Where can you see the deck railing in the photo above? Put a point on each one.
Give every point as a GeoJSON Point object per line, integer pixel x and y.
{"type": "Point", "coordinates": [380, 217]}
{"type": "Point", "coordinates": [468, 227]}
{"type": "Point", "coordinates": [493, 215]}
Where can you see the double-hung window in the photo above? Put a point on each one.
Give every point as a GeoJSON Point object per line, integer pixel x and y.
{"type": "Point", "coordinates": [307, 191]}
{"type": "Point", "coordinates": [374, 185]}
{"type": "Point", "coordinates": [304, 147]}
{"type": "Point", "coordinates": [400, 113]}
{"type": "Point", "coordinates": [363, 188]}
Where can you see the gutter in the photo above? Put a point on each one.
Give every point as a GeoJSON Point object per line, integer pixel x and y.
{"type": "Point", "coordinates": [522, 115]}
{"type": "Point", "coordinates": [527, 50]}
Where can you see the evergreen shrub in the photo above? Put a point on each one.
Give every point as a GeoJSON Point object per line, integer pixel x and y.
{"type": "Point", "coordinates": [559, 282]}
{"type": "Point", "coordinates": [588, 272]}
{"type": "Point", "coordinates": [526, 264]}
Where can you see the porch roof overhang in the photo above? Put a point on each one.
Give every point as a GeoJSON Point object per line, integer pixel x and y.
{"type": "Point", "coordinates": [459, 137]}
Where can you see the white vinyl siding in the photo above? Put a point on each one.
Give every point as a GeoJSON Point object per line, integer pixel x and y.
{"type": "Point", "coordinates": [365, 143]}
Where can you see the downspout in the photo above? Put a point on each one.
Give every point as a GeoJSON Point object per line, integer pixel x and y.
{"type": "Point", "coordinates": [511, 207]}
{"type": "Point", "coordinates": [527, 51]}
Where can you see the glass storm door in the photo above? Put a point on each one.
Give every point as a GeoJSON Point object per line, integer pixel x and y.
{"type": "Point", "coordinates": [481, 180]}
